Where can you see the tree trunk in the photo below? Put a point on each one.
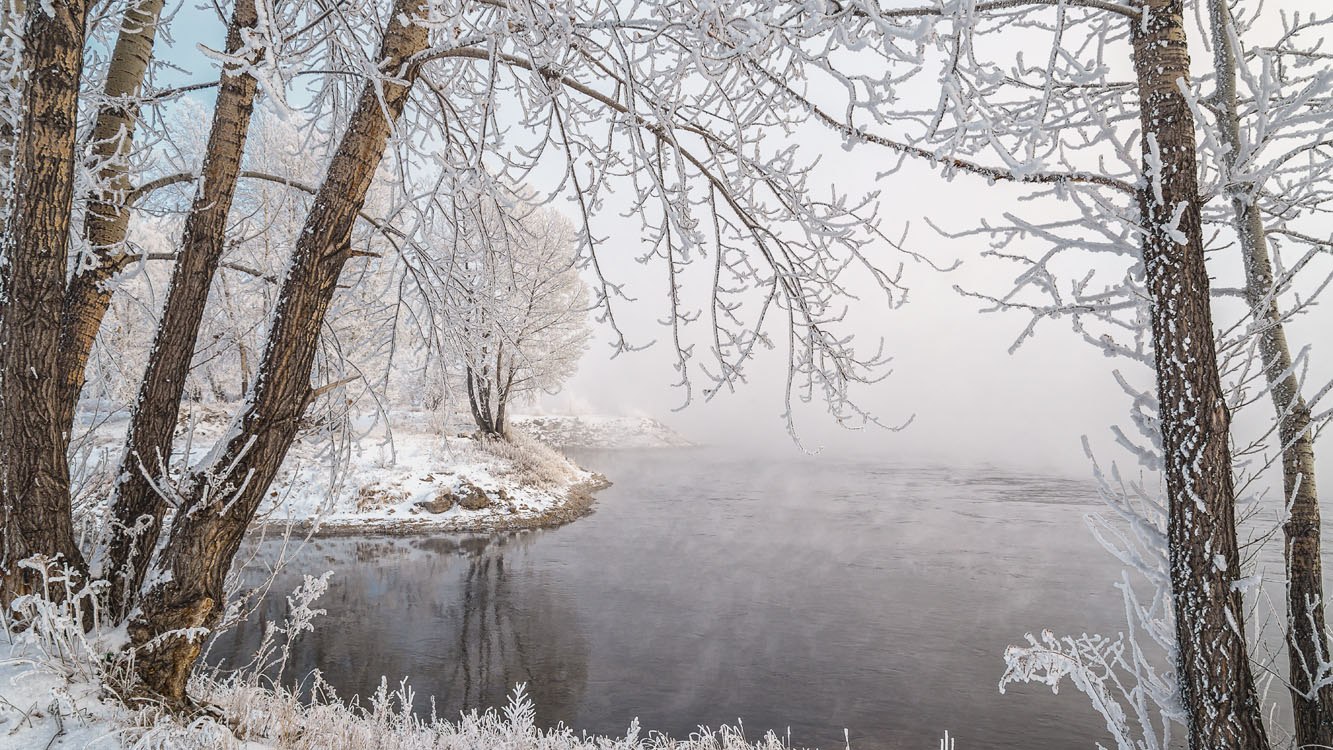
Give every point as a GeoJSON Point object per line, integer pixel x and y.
{"type": "Point", "coordinates": [1307, 643]}
{"type": "Point", "coordinates": [34, 472]}
{"type": "Point", "coordinates": [208, 529]}
{"type": "Point", "coordinates": [11, 23]}
{"type": "Point", "coordinates": [1222, 708]}
{"type": "Point", "coordinates": [108, 217]}
{"type": "Point", "coordinates": [481, 414]}
{"type": "Point", "coordinates": [507, 388]}
{"type": "Point", "coordinates": [137, 509]}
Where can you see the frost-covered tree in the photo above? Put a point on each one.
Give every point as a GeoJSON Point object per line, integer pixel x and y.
{"type": "Point", "coordinates": [520, 324]}
{"type": "Point", "coordinates": [1107, 132]}
{"type": "Point", "coordinates": [430, 98]}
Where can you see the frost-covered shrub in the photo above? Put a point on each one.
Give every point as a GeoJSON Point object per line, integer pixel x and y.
{"type": "Point", "coordinates": [64, 635]}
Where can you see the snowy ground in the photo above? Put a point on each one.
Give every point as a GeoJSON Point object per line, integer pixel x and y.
{"type": "Point", "coordinates": [426, 482]}
{"type": "Point", "coordinates": [417, 476]}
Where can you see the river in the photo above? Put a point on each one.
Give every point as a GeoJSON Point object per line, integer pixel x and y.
{"type": "Point", "coordinates": [808, 595]}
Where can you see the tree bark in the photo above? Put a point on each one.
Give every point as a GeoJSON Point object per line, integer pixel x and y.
{"type": "Point", "coordinates": [207, 530]}
{"type": "Point", "coordinates": [1307, 642]}
{"type": "Point", "coordinates": [137, 509]}
{"type": "Point", "coordinates": [1217, 687]}
{"type": "Point", "coordinates": [481, 414]}
{"type": "Point", "coordinates": [108, 217]}
{"type": "Point", "coordinates": [34, 472]}
{"type": "Point", "coordinates": [10, 23]}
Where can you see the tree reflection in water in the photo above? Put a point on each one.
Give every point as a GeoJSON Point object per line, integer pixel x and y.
{"type": "Point", "coordinates": [448, 613]}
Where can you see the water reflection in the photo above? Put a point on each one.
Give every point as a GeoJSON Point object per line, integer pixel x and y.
{"type": "Point", "coordinates": [451, 613]}
{"type": "Point", "coordinates": [804, 594]}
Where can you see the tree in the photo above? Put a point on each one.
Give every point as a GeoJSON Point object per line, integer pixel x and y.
{"type": "Point", "coordinates": [34, 475]}
{"type": "Point", "coordinates": [1124, 154]}
{"type": "Point", "coordinates": [521, 320]}
{"type": "Point", "coordinates": [1212, 656]}
{"type": "Point", "coordinates": [1307, 632]}
{"type": "Point", "coordinates": [417, 91]}
{"type": "Point", "coordinates": [137, 505]}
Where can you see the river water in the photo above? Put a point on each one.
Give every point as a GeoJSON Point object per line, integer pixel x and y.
{"type": "Point", "coordinates": [809, 595]}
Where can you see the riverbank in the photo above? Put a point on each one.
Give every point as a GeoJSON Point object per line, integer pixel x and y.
{"type": "Point", "coordinates": [600, 432]}
{"type": "Point", "coordinates": [427, 482]}
{"type": "Point", "coordinates": [359, 477]}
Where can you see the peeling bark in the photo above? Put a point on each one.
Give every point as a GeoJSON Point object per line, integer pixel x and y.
{"type": "Point", "coordinates": [1217, 687]}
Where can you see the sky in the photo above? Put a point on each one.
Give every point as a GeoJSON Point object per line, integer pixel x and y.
{"type": "Point", "coordinates": [969, 398]}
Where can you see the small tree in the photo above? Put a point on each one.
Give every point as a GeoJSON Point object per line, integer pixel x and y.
{"type": "Point", "coordinates": [521, 320]}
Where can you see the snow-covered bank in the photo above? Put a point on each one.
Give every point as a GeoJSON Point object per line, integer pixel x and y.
{"type": "Point", "coordinates": [417, 477]}
{"type": "Point", "coordinates": [426, 482]}
{"type": "Point", "coordinates": [601, 432]}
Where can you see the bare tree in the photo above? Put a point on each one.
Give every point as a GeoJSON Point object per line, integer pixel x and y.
{"type": "Point", "coordinates": [106, 220]}
{"type": "Point", "coordinates": [1307, 631]}
{"type": "Point", "coordinates": [137, 506]}
{"type": "Point", "coordinates": [34, 475]}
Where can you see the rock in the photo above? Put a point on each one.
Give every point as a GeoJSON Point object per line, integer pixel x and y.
{"type": "Point", "coordinates": [472, 497]}
{"type": "Point", "coordinates": [443, 500]}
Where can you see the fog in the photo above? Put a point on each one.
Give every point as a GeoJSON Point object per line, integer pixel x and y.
{"type": "Point", "coordinates": [970, 400]}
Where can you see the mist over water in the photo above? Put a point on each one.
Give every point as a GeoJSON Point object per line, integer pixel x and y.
{"type": "Point", "coordinates": [809, 593]}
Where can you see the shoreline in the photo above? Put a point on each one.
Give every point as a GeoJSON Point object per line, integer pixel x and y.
{"type": "Point", "coordinates": [578, 502]}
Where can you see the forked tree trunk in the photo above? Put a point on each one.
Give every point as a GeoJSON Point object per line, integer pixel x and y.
{"type": "Point", "coordinates": [137, 508]}
{"type": "Point", "coordinates": [34, 472]}
{"type": "Point", "coordinates": [207, 530]}
{"type": "Point", "coordinates": [487, 402]}
{"type": "Point", "coordinates": [108, 217]}
{"type": "Point", "coordinates": [1217, 687]}
{"type": "Point", "coordinates": [478, 402]}
{"type": "Point", "coordinates": [1307, 641]}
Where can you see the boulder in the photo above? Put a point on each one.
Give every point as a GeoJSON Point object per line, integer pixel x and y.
{"type": "Point", "coordinates": [472, 497]}
{"type": "Point", "coordinates": [443, 500]}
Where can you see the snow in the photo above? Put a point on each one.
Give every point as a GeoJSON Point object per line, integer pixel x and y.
{"type": "Point", "coordinates": [408, 479]}
{"type": "Point", "coordinates": [416, 483]}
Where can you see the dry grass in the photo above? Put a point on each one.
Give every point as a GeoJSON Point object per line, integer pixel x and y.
{"type": "Point", "coordinates": [529, 461]}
